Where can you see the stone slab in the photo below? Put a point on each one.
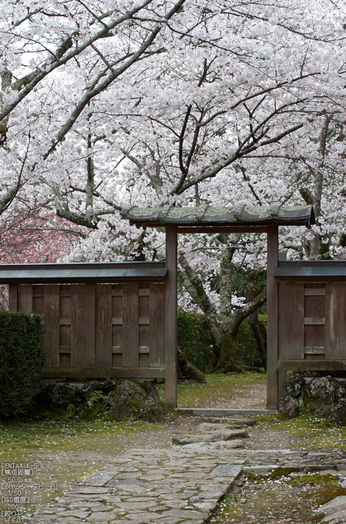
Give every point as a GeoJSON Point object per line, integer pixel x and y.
{"type": "Point", "coordinates": [227, 470]}
{"type": "Point", "coordinates": [210, 436]}
{"type": "Point", "coordinates": [232, 420]}
{"type": "Point", "coordinates": [215, 412]}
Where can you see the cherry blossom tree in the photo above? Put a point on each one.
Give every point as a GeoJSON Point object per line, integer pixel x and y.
{"type": "Point", "coordinates": [107, 103]}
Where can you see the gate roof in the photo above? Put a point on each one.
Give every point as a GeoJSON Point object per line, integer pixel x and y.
{"type": "Point", "coordinates": [208, 218]}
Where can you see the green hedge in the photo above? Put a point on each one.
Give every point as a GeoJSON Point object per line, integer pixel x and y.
{"type": "Point", "coordinates": [248, 352]}
{"type": "Point", "coordinates": [194, 339]}
{"type": "Point", "coordinates": [21, 357]}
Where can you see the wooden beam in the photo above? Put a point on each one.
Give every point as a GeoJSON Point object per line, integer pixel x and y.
{"type": "Point", "coordinates": [171, 318]}
{"type": "Point", "coordinates": [221, 229]}
{"type": "Point", "coordinates": [313, 365]}
{"type": "Point", "coordinates": [123, 373]}
{"type": "Point", "coordinates": [272, 320]}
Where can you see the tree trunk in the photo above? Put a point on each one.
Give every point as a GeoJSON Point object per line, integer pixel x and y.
{"type": "Point", "coordinates": [225, 326]}
{"type": "Point", "coordinates": [229, 359]}
{"type": "Point", "coordinates": [260, 333]}
{"type": "Point", "coordinates": [258, 329]}
{"type": "Point", "coordinates": [188, 371]}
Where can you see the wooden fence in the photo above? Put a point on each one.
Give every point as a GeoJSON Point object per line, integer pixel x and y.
{"type": "Point", "coordinates": [311, 315]}
{"type": "Point", "coordinates": [97, 329]}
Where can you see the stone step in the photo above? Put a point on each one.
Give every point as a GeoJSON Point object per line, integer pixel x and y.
{"type": "Point", "coordinates": [221, 412]}
{"type": "Point", "coordinates": [231, 420]}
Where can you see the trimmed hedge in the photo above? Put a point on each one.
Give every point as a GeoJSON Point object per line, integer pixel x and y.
{"type": "Point", "coordinates": [194, 339]}
{"type": "Point", "coordinates": [21, 358]}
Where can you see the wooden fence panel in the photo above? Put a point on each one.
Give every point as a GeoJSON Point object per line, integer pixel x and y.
{"type": "Point", "coordinates": [291, 321]}
{"type": "Point", "coordinates": [131, 325]}
{"type": "Point", "coordinates": [157, 325]}
{"type": "Point", "coordinates": [25, 298]}
{"type": "Point", "coordinates": [117, 325]}
{"type": "Point", "coordinates": [65, 325]}
{"type": "Point", "coordinates": [336, 320]}
{"type": "Point", "coordinates": [99, 327]}
{"type": "Point", "coordinates": [78, 326]}
{"type": "Point", "coordinates": [38, 299]}
{"type": "Point", "coordinates": [103, 342]}
{"type": "Point", "coordinates": [13, 297]}
{"type": "Point", "coordinates": [90, 320]}
{"type": "Point", "coordinates": [143, 349]}
{"type": "Point", "coordinates": [51, 311]}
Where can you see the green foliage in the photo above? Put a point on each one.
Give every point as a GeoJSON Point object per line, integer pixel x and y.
{"type": "Point", "coordinates": [194, 339]}
{"type": "Point", "coordinates": [248, 351]}
{"type": "Point", "coordinates": [21, 357]}
{"type": "Point", "coordinates": [96, 405]}
{"type": "Point", "coordinates": [247, 344]}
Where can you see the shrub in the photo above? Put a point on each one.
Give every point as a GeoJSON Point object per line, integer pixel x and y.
{"type": "Point", "coordinates": [248, 350]}
{"type": "Point", "coordinates": [21, 357]}
{"type": "Point", "coordinates": [194, 339]}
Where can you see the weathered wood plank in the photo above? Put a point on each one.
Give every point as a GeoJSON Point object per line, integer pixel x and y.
{"type": "Point", "coordinates": [25, 298]}
{"type": "Point", "coordinates": [38, 299]}
{"type": "Point", "coordinates": [171, 352]}
{"type": "Point", "coordinates": [13, 297]}
{"type": "Point", "coordinates": [83, 325]}
{"type": "Point", "coordinates": [314, 305]}
{"type": "Point", "coordinates": [312, 365]}
{"type": "Point", "coordinates": [291, 321]}
{"type": "Point", "coordinates": [65, 361]}
{"type": "Point", "coordinates": [313, 292]}
{"type": "Point", "coordinates": [314, 321]}
{"type": "Point", "coordinates": [335, 331]}
{"type": "Point", "coordinates": [65, 321]}
{"type": "Point", "coordinates": [52, 323]}
{"type": "Point", "coordinates": [314, 335]}
{"type": "Point", "coordinates": [90, 323]}
{"type": "Point", "coordinates": [65, 349]}
{"type": "Point", "coordinates": [65, 336]}
{"type": "Point", "coordinates": [103, 325]}
{"type": "Point", "coordinates": [144, 337]}
{"type": "Point", "coordinates": [314, 350]}
{"type": "Point", "coordinates": [157, 325]}
{"type": "Point", "coordinates": [78, 326]}
{"type": "Point", "coordinates": [130, 325]}
{"type": "Point", "coordinates": [272, 319]}
{"type": "Point", "coordinates": [123, 373]}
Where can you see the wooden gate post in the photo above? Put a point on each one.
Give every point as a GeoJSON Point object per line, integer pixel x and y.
{"type": "Point", "coordinates": [272, 314]}
{"type": "Point", "coordinates": [171, 351]}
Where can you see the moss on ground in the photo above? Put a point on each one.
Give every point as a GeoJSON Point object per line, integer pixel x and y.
{"type": "Point", "coordinates": [307, 431]}
{"type": "Point", "coordinates": [279, 497]}
{"type": "Point", "coordinates": [219, 387]}
{"type": "Point", "coordinates": [66, 452]}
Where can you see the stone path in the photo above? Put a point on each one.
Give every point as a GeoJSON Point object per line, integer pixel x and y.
{"type": "Point", "coordinates": [165, 486]}
{"type": "Point", "coordinates": [182, 483]}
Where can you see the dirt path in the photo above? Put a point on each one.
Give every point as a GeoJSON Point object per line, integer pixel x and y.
{"type": "Point", "coordinates": [247, 396]}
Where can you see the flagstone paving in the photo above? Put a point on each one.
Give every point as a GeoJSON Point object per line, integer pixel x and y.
{"type": "Point", "coordinates": [179, 484]}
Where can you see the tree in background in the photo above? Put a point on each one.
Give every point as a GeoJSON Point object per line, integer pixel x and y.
{"type": "Point", "coordinates": [106, 104]}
